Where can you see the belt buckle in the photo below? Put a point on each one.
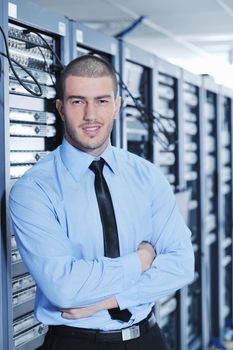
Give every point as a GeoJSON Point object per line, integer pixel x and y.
{"type": "Point", "coordinates": [130, 333]}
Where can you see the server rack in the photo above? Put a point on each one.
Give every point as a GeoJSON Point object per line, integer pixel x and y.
{"type": "Point", "coordinates": [142, 138]}
{"type": "Point", "coordinates": [136, 90]}
{"type": "Point", "coordinates": [32, 129]}
{"type": "Point", "coordinates": [85, 40]}
{"type": "Point", "coordinates": [225, 98]}
{"type": "Point", "coordinates": [191, 305]}
{"type": "Point", "coordinates": [210, 273]}
{"type": "Point", "coordinates": [168, 147]}
{"type": "Point", "coordinates": [4, 280]}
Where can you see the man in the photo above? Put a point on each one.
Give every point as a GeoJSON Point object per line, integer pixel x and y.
{"type": "Point", "coordinates": [86, 273]}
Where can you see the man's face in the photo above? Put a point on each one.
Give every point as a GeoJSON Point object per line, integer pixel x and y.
{"type": "Point", "coordinates": [88, 112]}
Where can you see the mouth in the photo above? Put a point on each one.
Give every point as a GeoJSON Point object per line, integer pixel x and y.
{"type": "Point", "coordinates": [91, 130]}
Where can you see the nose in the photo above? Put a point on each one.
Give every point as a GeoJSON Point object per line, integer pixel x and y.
{"type": "Point", "coordinates": [89, 112]}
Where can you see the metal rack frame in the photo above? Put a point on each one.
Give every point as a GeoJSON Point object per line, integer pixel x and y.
{"type": "Point", "coordinates": [4, 259]}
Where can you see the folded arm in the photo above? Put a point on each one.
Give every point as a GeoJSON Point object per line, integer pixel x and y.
{"type": "Point", "coordinates": [146, 254]}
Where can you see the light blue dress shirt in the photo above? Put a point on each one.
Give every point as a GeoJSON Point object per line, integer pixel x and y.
{"type": "Point", "coordinates": [59, 234]}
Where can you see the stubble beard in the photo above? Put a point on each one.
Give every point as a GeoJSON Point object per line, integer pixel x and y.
{"type": "Point", "coordinates": [72, 138]}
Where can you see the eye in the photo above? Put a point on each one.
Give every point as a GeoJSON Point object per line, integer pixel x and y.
{"type": "Point", "coordinates": [102, 101]}
{"type": "Point", "coordinates": [76, 102]}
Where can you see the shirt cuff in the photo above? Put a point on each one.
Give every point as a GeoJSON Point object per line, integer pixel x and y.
{"type": "Point", "coordinates": [131, 269]}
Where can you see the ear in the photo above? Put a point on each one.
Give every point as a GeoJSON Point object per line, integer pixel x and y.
{"type": "Point", "coordinates": [117, 106]}
{"type": "Point", "coordinates": [60, 108]}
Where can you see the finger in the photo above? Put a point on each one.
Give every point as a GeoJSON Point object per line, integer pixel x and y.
{"type": "Point", "coordinates": [67, 315]}
{"type": "Point", "coordinates": [67, 310]}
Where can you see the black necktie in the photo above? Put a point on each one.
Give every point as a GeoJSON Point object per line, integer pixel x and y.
{"type": "Point", "coordinates": [110, 234]}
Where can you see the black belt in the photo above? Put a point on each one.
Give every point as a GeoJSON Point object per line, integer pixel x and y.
{"type": "Point", "coordinates": [123, 334]}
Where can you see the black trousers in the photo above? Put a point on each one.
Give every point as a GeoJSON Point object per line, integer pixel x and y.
{"type": "Point", "coordinates": [152, 340]}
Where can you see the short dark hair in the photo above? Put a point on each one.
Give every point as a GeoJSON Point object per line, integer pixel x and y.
{"type": "Point", "coordinates": [91, 66]}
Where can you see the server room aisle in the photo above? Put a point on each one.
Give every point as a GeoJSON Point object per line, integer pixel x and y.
{"type": "Point", "coordinates": [181, 121]}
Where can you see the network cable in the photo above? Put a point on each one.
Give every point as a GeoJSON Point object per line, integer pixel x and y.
{"type": "Point", "coordinates": [28, 31]}
{"type": "Point", "coordinates": [10, 60]}
{"type": "Point", "coordinates": [148, 116]}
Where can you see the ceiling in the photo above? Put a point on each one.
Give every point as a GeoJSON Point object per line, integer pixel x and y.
{"type": "Point", "coordinates": [184, 32]}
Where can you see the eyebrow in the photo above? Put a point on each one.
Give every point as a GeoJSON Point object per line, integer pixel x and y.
{"type": "Point", "coordinates": [83, 97]}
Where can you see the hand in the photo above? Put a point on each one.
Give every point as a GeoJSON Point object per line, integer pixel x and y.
{"type": "Point", "coordinates": [146, 255]}
{"type": "Point", "coordinates": [74, 313]}
{"type": "Point", "coordinates": [81, 312]}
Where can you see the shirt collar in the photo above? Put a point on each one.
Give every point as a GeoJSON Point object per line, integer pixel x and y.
{"type": "Point", "coordinates": [77, 161]}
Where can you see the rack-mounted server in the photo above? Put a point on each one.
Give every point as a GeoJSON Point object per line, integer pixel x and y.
{"type": "Point", "coordinates": [166, 106]}
{"type": "Point", "coordinates": [191, 98]}
{"type": "Point", "coordinates": [224, 211]}
{"type": "Point", "coordinates": [209, 214]}
{"type": "Point", "coordinates": [32, 130]}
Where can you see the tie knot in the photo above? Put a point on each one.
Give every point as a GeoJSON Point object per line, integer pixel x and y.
{"type": "Point", "coordinates": [97, 166]}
